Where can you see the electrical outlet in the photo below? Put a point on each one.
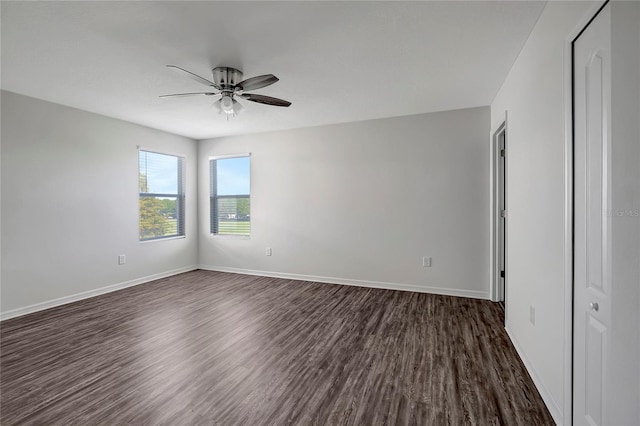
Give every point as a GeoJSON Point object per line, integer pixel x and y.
{"type": "Point", "coordinates": [268, 251]}
{"type": "Point", "coordinates": [426, 261]}
{"type": "Point", "coordinates": [532, 314]}
{"type": "Point", "coordinates": [122, 259]}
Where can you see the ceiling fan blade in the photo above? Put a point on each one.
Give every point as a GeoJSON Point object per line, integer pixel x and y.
{"type": "Point", "coordinates": [258, 82]}
{"type": "Point", "coordinates": [196, 77]}
{"type": "Point", "coordinates": [189, 94]}
{"type": "Point", "coordinates": [268, 100]}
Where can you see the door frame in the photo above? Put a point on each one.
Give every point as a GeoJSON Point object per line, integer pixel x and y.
{"type": "Point", "coordinates": [495, 212]}
{"type": "Point", "coordinates": [569, 205]}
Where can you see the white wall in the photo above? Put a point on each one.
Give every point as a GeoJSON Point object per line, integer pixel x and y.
{"type": "Point", "coordinates": [361, 203]}
{"type": "Point", "coordinates": [623, 380]}
{"type": "Point", "coordinates": [70, 204]}
{"type": "Point", "coordinates": [534, 95]}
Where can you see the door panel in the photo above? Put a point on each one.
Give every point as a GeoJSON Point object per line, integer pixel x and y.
{"type": "Point", "coordinates": [595, 343]}
{"type": "Point", "coordinates": [595, 145]}
{"type": "Point", "coordinates": [592, 248]}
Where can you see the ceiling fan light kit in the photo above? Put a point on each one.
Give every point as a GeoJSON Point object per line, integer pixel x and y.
{"type": "Point", "coordinates": [226, 103]}
{"type": "Point", "coordinates": [228, 83]}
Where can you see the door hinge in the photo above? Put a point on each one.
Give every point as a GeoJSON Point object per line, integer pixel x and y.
{"type": "Point", "coordinates": [501, 274]}
{"type": "Point", "coordinates": [503, 213]}
{"type": "Point", "coordinates": [502, 153]}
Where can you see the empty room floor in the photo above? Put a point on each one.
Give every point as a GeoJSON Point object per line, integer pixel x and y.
{"type": "Point", "coordinates": [217, 348]}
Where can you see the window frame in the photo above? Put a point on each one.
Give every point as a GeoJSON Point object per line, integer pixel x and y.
{"type": "Point", "coordinates": [213, 189]}
{"type": "Point", "coordinates": [180, 196]}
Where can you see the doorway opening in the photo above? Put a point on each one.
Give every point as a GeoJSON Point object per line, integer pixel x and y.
{"type": "Point", "coordinates": [500, 215]}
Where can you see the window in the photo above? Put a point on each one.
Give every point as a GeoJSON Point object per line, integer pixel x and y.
{"type": "Point", "coordinates": [161, 182]}
{"type": "Point", "coordinates": [230, 196]}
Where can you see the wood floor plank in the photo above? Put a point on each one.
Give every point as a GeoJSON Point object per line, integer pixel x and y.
{"type": "Point", "coordinates": [216, 348]}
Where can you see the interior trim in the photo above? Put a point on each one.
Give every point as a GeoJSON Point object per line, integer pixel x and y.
{"type": "Point", "coordinates": [554, 408]}
{"type": "Point", "coordinates": [474, 294]}
{"type": "Point", "coordinates": [13, 313]}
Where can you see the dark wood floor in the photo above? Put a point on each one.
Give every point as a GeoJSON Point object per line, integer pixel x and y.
{"type": "Point", "coordinates": [214, 348]}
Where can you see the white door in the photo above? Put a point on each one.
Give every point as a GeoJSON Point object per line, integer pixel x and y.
{"type": "Point", "coordinates": [592, 231]}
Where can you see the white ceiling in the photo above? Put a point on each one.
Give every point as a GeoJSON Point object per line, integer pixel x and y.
{"type": "Point", "coordinates": [337, 61]}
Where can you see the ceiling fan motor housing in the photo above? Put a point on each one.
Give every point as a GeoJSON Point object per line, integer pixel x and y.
{"type": "Point", "coordinates": [226, 77]}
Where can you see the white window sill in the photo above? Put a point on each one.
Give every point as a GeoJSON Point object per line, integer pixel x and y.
{"type": "Point", "coordinates": [231, 236]}
{"type": "Point", "coordinates": [155, 240]}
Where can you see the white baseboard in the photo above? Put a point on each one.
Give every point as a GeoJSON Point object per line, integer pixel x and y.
{"type": "Point", "coordinates": [554, 408]}
{"type": "Point", "coordinates": [91, 293]}
{"type": "Point", "coordinates": [359, 283]}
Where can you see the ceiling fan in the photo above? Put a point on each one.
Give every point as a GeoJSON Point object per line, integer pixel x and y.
{"type": "Point", "coordinates": [228, 83]}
